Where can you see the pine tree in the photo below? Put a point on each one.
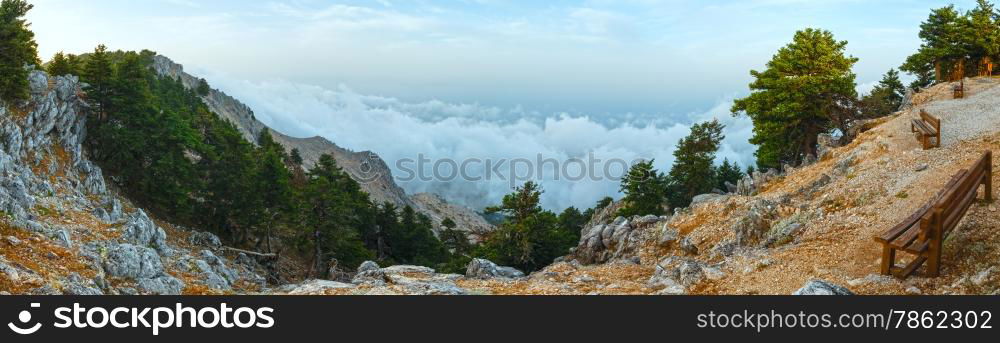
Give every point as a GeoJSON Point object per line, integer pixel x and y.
{"type": "Point", "coordinates": [728, 173]}
{"type": "Point", "coordinates": [203, 88]}
{"type": "Point", "coordinates": [98, 74]}
{"type": "Point", "coordinates": [644, 191]}
{"type": "Point", "coordinates": [797, 96]}
{"type": "Point", "coordinates": [17, 50]}
{"type": "Point", "coordinates": [885, 98]}
{"type": "Point", "coordinates": [529, 237]}
{"type": "Point", "coordinates": [296, 157]}
{"type": "Point", "coordinates": [693, 173]}
{"type": "Point", "coordinates": [942, 47]}
{"type": "Point", "coordinates": [60, 65]}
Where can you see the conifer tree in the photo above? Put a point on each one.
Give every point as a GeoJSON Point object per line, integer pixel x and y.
{"type": "Point", "coordinates": [644, 189]}
{"type": "Point", "coordinates": [59, 65]}
{"type": "Point", "coordinates": [17, 50]}
{"type": "Point", "coordinates": [693, 173]}
{"type": "Point", "coordinates": [98, 73]}
{"type": "Point", "coordinates": [796, 97]}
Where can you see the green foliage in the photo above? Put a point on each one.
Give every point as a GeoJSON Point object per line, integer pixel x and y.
{"type": "Point", "coordinates": [644, 191]}
{"type": "Point", "coordinates": [203, 88]}
{"type": "Point", "coordinates": [885, 98]}
{"type": "Point", "coordinates": [98, 72]}
{"type": "Point", "coordinates": [950, 38]}
{"type": "Point", "coordinates": [296, 157]}
{"type": "Point", "coordinates": [60, 65]}
{"type": "Point", "coordinates": [798, 97]}
{"type": "Point", "coordinates": [17, 50]}
{"type": "Point", "coordinates": [728, 172]}
{"type": "Point", "coordinates": [693, 173]}
{"type": "Point", "coordinates": [333, 205]}
{"type": "Point", "coordinates": [530, 238]}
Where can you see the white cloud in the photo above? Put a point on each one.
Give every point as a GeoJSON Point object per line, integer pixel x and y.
{"type": "Point", "coordinates": [398, 130]}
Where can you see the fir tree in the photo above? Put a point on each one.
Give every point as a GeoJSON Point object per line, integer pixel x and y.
{"type": "Point", "coordinates": [796, 97]}
{"type": "Point", "coordinates": [17, 50]}
{"type": "Point", "coordinates": [644, 191]}
{"type": "Point", "coordinates": [693, 173]}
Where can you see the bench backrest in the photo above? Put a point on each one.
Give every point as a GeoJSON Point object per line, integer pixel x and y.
{"type": "Point", "coordinates": [960, 196]}
{"type": "Point", "coordinates": [927, 117]}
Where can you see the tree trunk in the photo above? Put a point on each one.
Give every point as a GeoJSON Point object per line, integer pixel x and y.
{"type": "Point", "coordinates": [319, 255]}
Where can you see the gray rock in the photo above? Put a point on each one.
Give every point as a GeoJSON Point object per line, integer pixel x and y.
{"type": "Point", "coordinates": [205, 239]}
{"type": "Point", "coordinates": [745, 186]}
{"type": "Point", "coordinates": [140, 230]}
{"type": "Point", "coordinates": [820, 287]}
{"type": "Point", "coordinates": [645, 220]}
{"type": "Point", "coordinates": [668, 236]}
{"type": "Point", "coordinates": [688, 246]}
{"type": "Point", "coordinates": [163, 285]}
{"type": "Point", "coordinates": [314, 287]}
{"type": "Point", "coordinates": [62, 236]}
{"type": "Point", "coordinates": [484, 269]}
{"type": "Point", "coordinates": [921, 167]}
{"type": "Point", "coordinates": [368, 266]}
{"type": "Point", "coordinates": [133, 262]}
{"type": "Point", "coordinates": [707, 198]}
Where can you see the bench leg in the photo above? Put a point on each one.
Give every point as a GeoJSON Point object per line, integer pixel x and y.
{"type": "Point", "coordinates": [888, 259]}
{"type": "Point", "coordinates": [989, 177]}
{"type": "Point", "coordinates": [934, 249]}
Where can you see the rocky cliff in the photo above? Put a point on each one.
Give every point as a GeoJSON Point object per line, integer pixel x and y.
{"type": "Point", "coordinates": [63, 231]}
{"type": "Point", "coordinates": [366, 167]}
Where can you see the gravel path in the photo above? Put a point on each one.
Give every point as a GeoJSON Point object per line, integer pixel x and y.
{"type": "Point", "coordinates": [969, 118]}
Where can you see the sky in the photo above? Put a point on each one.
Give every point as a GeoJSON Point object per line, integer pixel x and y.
{"type": "Point", "coordinates": [488, 78]}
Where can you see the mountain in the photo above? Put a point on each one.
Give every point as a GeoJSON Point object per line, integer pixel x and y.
{"type": "Point", "coordinates": [365, 167]}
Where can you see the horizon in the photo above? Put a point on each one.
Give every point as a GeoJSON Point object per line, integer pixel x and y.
{"type": "Point", "coordinates": [633, 75]}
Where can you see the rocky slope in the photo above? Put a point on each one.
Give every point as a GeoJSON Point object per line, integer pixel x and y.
{"type": "Point", "coordinates": [63, 231]}
{"type": "Point", "coordinates": [804, 230]}
{"type": "Point", "coordinates": [365, 167]}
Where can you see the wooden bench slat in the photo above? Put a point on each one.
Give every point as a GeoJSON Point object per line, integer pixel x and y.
{"type": "Point", "coordinates": [902, 273]}
{"type": "Point", "coordinates": [923, 233]}
{"type": "Point", "coordinates": [907, 237]}
{"type": "Point", "coordinates": [907, 223]}
{"type": "Point", "coordinates": [924, 128]}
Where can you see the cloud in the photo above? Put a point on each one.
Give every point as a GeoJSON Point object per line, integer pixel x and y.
{"type": "Point", "coordinates": [440, 131]}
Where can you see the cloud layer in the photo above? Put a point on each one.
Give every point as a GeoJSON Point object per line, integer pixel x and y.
{"type": "Point", "coordinates": [436, 130]}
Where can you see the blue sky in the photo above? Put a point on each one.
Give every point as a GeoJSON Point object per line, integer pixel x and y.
{"type": "Point", "coordinates": [488, 78]}
{"type": "Point", "coordinates": [597, 56]}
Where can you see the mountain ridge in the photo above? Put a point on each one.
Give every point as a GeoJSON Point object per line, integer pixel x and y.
{"type": "Point", "coordinates": [366, 167]}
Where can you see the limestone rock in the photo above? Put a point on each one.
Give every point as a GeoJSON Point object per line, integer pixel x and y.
{"type": "Point", "coordinates": [484, 269]}
{"type": "Point", "coordinates": [820, 287]}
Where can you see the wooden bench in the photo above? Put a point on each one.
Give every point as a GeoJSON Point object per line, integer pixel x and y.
{"type": "Point", "coordinates": [959, 90]}
{"type": "Point", "coordinates": [924, 232]}
{"type": "Point", "coordinates": [928, 127]}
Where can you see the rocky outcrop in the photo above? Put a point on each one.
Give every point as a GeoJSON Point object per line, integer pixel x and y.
{"type": "Point", "coordinates": [619, 239]}
{"type": "Point", "coordinates": [820, 287]}
{"type": "Point", "coordinates": [46, 176]}
{"type": "Point", "coordinates": [485, 269]}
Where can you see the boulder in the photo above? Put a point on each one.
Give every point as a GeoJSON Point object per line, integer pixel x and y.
{"type": "Point", "coordinates": [133, 262]}
{"type": "Point", "coordinates": [140, 230]}
{"type": "Point", "coordinates": [688, 246]}
{"type": "Point", "coordinates": [707, 198]}
{"type": "Point", "coordinates": [162, 285]}
{"type": "Point", "coordinates": [205, 239]}
{"type": "Point", "coordinates": [820, 287]}
{"type": "Point", "coordinates": [485, 269]}
{"type": "Point", "coordinates": [668, 235]}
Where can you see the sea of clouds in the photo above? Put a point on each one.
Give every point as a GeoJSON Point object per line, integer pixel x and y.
{"type": "Point", "coordinates": [402, 132]}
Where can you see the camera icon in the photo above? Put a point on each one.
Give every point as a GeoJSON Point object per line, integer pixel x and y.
{"type": "Point", "coordinates": [24, 317]}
